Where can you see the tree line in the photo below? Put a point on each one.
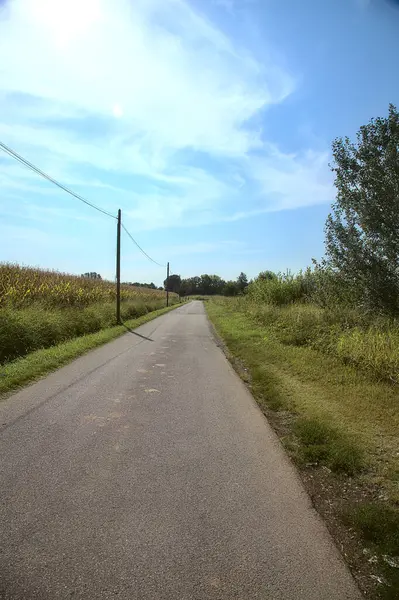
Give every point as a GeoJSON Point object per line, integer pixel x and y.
{"type": "Point", "coordinates": [206, 285]}
{"type": "Point", "coordinates": [151, 285]}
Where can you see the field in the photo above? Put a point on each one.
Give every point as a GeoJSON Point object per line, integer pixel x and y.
{"type": "Point", "coordinates": [39, 309]}
{"type": "Point", "coordinates": [327, 381]}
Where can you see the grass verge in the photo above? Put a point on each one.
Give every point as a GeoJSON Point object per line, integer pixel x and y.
{"type": "Point", "coordinates": [41, 362]}
{"type": "Point", "coordinates": [341, 428]}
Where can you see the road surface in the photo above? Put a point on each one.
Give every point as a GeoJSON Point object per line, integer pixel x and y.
{"type": "Point", "coordinates": [144, 470]}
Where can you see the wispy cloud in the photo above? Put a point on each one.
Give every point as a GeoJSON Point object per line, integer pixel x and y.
{"type": "Point", "coordinates": [153, 99]}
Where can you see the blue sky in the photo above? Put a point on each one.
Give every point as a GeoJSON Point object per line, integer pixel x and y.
{"type": "Point", "coordinates": [208, 122]}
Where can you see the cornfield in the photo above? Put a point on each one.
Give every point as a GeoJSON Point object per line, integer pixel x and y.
{"type": "Point", "coordinates": [21, 287]}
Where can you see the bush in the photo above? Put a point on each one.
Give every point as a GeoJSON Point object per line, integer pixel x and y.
{"type": "Point", "coordinates": [281, 290]}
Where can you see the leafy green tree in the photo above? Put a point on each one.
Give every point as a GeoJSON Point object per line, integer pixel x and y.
{"type": "Point", "coordinates": [267, 275]}
{"type": "Point", "coordinates": [231, 288]}
{"type": "Point", "coordinates": [151, 285]}
{"type": "Point", "coordinates": [190, 286]}
{"type": "Point", "coordinates": [211, 284]}
{"type": "Point", "coordinates": [362, 232]}
{"type": "Point", "coordinates": [242, 282]}
{"type": "Point", "coordinates": [173, 283]}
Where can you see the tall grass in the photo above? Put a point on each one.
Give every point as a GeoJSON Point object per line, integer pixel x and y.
{"type": "Point", "coordinates": [291, 307]}
{"type": "Point", "coordinates": [39, 309]}
{"type": "Point", "coordinates": [283, 288]}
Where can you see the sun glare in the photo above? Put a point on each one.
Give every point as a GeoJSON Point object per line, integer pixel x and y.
{"type": "Point", "coordinates": [66, 19]}
{"type": "Point", "coordinates": [117, 111]}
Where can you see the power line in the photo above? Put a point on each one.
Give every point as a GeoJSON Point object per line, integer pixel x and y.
{"type": "Point", "coordinates": [141, 249]}
{"type": "Point", "coordinates": [38, 171]}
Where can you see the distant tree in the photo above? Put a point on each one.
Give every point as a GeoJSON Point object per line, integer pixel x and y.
{"type": "Point", "coordinates": [173, 284]}
{"type": "Point", "coordinates": [242, 282]}
{"type": "Point", "coordinates": [206, 285]}
{"type": "Point", "coordinates": [92, 275]}
{"type": "Point", "coordinates": [151, 285]}
{"type": "Point", "coordinates": [231, 288]}
{"type": "Point", "coordinates": [267, 275]}
{"type": "Point", "coordinates": [211, 284]}
{"type": "Point", "coordinates": [185, 287]}
{"type": "Point", "coordinates": [190, 286]}
{"type": "Point", "coordinates": [362, 232]}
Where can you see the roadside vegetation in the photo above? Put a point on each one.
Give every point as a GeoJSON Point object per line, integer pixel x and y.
{"type": "Point", "coordinates": [320, 350]}
{"type": "Point", "coordinates": [40, 309]}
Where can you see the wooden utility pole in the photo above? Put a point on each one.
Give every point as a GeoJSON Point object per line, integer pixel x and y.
{"type": "Point", "coordinates": [118, 268]}
{"type": "Point", "coordinates": [167, 286]}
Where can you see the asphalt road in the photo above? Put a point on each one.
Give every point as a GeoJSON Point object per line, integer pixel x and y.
{"type": "Point", "coordinates": [144, 470]}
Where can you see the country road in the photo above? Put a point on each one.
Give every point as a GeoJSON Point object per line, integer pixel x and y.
{"type": "Point", "coordinates": [144, 471]}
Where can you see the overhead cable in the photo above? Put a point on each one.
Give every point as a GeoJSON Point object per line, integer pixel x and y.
{"type": "Point", "coordinates": [38, 171]}
{"type": "Point", "coordinates": [141, 249]}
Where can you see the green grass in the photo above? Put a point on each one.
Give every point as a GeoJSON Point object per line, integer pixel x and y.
{"type": "Point", "coordinates": [326, 445]}
{"type": "Point", "coordinates": [335, 414]}
{"type": "Point", "coordinates": [379, 525]}
{"type": "Point", "coordinates": [41, 362]}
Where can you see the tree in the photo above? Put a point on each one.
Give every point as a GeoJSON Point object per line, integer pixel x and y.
{"type": "Point", "coordinates": [173, 284]}
{"type": "Point", "coordinates": [211, 284]}
{"type": "Point", "coordinates": [92, 275]}
{"type": "Point", "coordinates": [242, 281]}
{"type": "Point", "coordinates": [362, 232]}
{"type": "Point", "coordinates": [267, 276]}
{"type": "Point", "coordinates": [231, 288]}
{"type": "Point", "coordinates": [151, 285]}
